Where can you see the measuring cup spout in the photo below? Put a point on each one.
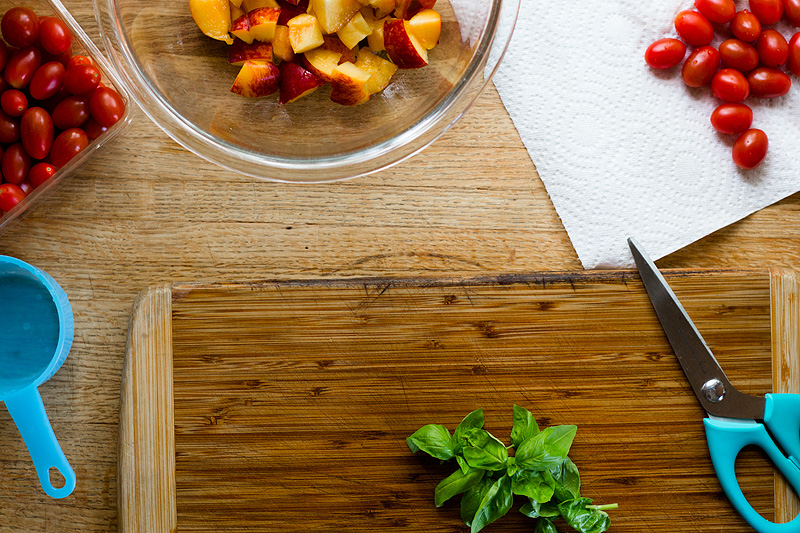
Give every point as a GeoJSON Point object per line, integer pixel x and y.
{"type": "Point", "coordinates": [28, 412]}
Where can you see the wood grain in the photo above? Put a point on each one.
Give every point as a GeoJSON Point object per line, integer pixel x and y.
{"type": "Point", "coordinates": [293, 399]}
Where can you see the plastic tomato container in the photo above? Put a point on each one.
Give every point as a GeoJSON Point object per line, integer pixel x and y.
{"type": "Point", "coordinates": [82, 45]}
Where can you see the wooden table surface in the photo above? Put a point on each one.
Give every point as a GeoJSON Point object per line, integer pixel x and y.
{"type": "Point", "coordinates": [147, 211]}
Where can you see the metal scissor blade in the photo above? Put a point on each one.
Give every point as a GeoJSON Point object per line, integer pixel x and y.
{"type": "Point", "coordinates": [716, 394]}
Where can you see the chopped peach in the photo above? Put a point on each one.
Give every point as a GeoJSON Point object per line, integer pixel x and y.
{"type": "Point", "coordinates": [375, 39]}
{"type": "Point", "coordinates": [334, 43]}
{"type": "Point", "coordinates": [354, 31]}
{"type": "Point", "coordinates": [257, 78]}
{"type": "Point", "coordinates": [296, 82]}
{"type": "Point", "coordinates": [305, 33]}
{"type": "Point", "coordinates": [408, 8]}
{"type": "Point", "coordinates": [263, 22]}
{"type": "Point", "coordinates": [426, 27]}
{"type": "Point", "coordinates": [236, 3]}
{"type": "Point", "coordinates": [213, 17]}
{"type": "Point", "coordinates": [321, 62]}
{"type": "Point", "coordinates": [241, 52]}
{"type": "Point", "coordinates": [241, 29]}
{"type": "Point", "coordinates": [236, 12]}
{"type": "Point", "coordinates": [380, 71]}
{"type": "Point", "coordinates": [403, 48]}
{"type": "Point", "coordinates": [334, 14]}
{"type": "Point", "coordinates": [382, 7]}
{"type": "Point", "coordinates": [349, 84]}
{"type": "Point", "coordinates": [281, 47]}
{"type": "Point", "coordinates": [250, 5]}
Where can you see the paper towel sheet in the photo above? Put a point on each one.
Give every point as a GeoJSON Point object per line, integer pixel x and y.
{"type": "Point", "coordinates": [625, 150]}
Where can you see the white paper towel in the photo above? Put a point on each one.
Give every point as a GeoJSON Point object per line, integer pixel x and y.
{"type": "Point", "coordinates": [625, 150]}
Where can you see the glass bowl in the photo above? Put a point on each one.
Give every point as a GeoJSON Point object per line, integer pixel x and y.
{"type": "Point", "coordinates": [182, 80]}
{"type": "Point", "coordinates": [83, 45]}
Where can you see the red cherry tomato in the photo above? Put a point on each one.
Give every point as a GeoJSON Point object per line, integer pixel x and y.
{"type": "Point", "coordinates": [721, 11]}
{"type": "Point", "coordinates": [82, 79]}
{"type": "Point", "coordinates": [746, 26]}
{"type": "Point", "coordinates": [768, 83]}
{"type": "Point", "coordinates": [93, 129]}
{"type": "Point", "coordinates": [694, 28]}
{"type": "Point", "coordinates": [732, 118]}
{"type": "Point", "coordinates": [14, 103]}
{"type": "Point", "coordinates": [768, 11]}
{"type": "Point", "coordinates": [791, 11]}
{"type": "Point", "coordinates": [9, 129]}
{"type": "Point", "coordinates": [16, 164]}
{"type": "Point", "coordinates": [47, 80]}
{"type": "Point", "coordinates": [72, 112]}
{"type": "Point", "coordinates": [26, 186]}
{"type": "Point", "coordinates": [36, 131]}
{"type": "Point", "coordinates": [772, 48]}
{"type": "Point", "coordinates": [794, 55]}
{"type": "Point", "coordinates": [730, 85]}
{"type": "Point", "coordinates": [21, 67]}
{"type": "Point", "coordinates": [54, 36]}
{"type": "Point", "coordinates": [106, 106]}
{"type": "Point", "coordinates": [700, 68]}
{"type": "Point", "coordinates": [739, 55]}
{"type": "Point", "coordinates": [665, 53]}
{"type": "Point", "coordinates": [20, 27]}
{"type": "Point", "coordinates": [10, 195]}
{"type": "Point", "coordinates": [40, 173]}
{"type": "Point", "coordinates": [3, 54]}
{"type": "Point", "coordinates": [67, 145]}
{"type": "Point", "coordinates": [750, 149]}
{"type": "Point", "coordinates": [79, 60]}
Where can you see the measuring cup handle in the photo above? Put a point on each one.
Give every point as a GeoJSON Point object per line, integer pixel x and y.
{"type": "Point", "coordinates": [28, 412]}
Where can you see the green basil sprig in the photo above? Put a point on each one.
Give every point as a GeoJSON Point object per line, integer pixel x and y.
{"type": "Point", "coordinates": [489, 478]}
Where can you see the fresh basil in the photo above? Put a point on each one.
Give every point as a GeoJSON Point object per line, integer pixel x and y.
{"type": "Point", "coordinates": [432, 439]}
{"type": "Point", "coordinates": [537, 485]}
{"type": "Point", "coordinates": [495, 504]}
{"type": "Point", "coordinates": [456, 483]}
{"type": "Point", "coordinates": [582, 517]}
{"type": "Point", "coordinates": [547, 449]}
{"type": "Point", "coordinates": [474, 420]}
{"type": "Point", "coordinates": [471, 500]}
{"type": "Point", "coordinates": [568, 481]}
{"type": "Point", "coordinates": [525, 425]}
{"type": "Point", "coordinates": [544, 525]}
{"type": "Point", "coordinates": [534, 509]}
{"type": "Point", "coordinates": [483, 450]}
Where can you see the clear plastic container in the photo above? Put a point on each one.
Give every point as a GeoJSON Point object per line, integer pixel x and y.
{"type": "Point", "coordinates": [182, 80]}
{"type": "Point", "coordinates": [83, 45]}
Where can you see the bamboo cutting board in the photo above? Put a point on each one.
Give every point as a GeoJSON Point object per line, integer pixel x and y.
{"type": "Point", "coordinates": [284, 406]}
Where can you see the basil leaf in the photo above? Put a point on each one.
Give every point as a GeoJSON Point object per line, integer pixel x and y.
{"type": "Point", "coordinates": [544, 525]}
{"type": "Point", "coordinates": [568, 481]}
{"type": "Point", "coordinates": [472, 499]}
{"type": "Point", "coordinates": [511, 466]}
{"type": "Point", "coordinates": [462, 463]}
{"type": "Point", "coordinates": [495, 504]}
{"type": "Point", "coordinates": [432, 439]}
{"type": "Point", "coordinates": [524, 425]}
{"type": "Point", "coordinates": [582, 519]}
{"type": "Point", "coordinates": [537, 485]}
{"type": "Point", "coordinates": [472, 420]}
{"type": "Point", "coordinates": [534, 509]}
{"type": "Point", "coordinates": [456, 483]}
{"type": "Point", "coordinates": [483, 450]}
{"type": "Point", "coordinates": [547, 449]}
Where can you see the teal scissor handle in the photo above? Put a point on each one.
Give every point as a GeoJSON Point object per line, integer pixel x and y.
{"type": "Point", "coordinates": [782, 418]}
{"type": "Point", "coordinates": [726, 438]}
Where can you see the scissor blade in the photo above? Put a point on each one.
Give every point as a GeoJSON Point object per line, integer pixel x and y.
{"type": "Point", "coordinates": [718, 398]}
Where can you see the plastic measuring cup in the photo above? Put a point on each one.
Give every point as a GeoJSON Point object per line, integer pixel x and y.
{"type": "Point", "coordinates": [35, 339]}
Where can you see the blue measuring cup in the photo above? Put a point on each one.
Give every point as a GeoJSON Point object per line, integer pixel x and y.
{"type": "Point", "coordinates": [35, 339]}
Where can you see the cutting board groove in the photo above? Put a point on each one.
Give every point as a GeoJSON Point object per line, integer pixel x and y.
{"type": "Point", "coordinates": [283, 406]}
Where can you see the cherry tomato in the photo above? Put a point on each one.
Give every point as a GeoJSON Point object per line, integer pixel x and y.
{"type": "Point", "coordinates": [730, 85]}
{"type": "Point", "coordinates": [47, 80]}
{"type": "Point", "coordinates": [768, 83]}
{"type": "Point", "coordinates": [9, 129]}
{"type": "Point", "coordinates": [93, 129]}
{"type": "Point", "coordinates": [54, 36]}
{"type": "Point", "coordinates": [72, 112]}
{"type": "Point", "coordinates": [746, 26]}
{"type": "Point", "coordinates": [767, 11]}
{"type": "Point", "coordinates": [68, 145]}
{"type": "Point", "coordinates": [739, 55]}
{"type": "Point", "coordinates": [721, 11]}
{"type": "Point", "coordinates": [40, 173]}
{"type": "Point", "coordinates": [16, 164]}
{"type": "Point", "coordinates": [21, 67]}
{"type": "Point", "coordinates": [106, 106]}
{"type": "Point", "coordinates": [700, 68]}
{"type": "Point", "coordinates": [694, 28]}
{"type": "Point", "coordinates": [3, 54]}
{"type": "Point", "coordinates": [732, 118]}
{"type": "Point", "coordinates": [665, 53]}
{"type": "Point", "coordinates": [82, 79]}
{"type": "Point", "coordinates": [26, 187]}
{"type": "Point", "coordinates": [20, 27]}
{"type": "Point", "coordinates": [750, 149]}
{"type": "Point", "coordinates": [794, 55]}
{"type": "Point", "coordinates": [772, 48]}
{"type": "Point", "coordinates": [791, 11]}
{"type": "Point", "coordinates": [14, 103]}
{"type": "Point", "coordinates": [10, 195]}
{"type": "Point", "coordinates": [37, 132]}
{"type": "Point", "coordinates": [79, 60]}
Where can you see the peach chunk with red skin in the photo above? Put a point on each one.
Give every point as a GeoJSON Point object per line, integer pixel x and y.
{"type": "Point", "coordinates": [408, 8]}
{"type": "Point", "coordinates": [403, 47]}
{"type": "Point", "coordinates": [240, 52]}
{"type": "Point", "coordinates": [349, 84]}
{"type": "Point", "coordinates": [263, 22]}
{"type": "Point", "coordinates": [426, 26]}
{"type": "Point", "coordinates": [296, 82]}
{"type": "Point", "coordinates": [257, 78]}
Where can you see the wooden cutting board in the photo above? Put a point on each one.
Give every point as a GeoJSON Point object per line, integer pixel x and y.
{"type": "Point", "coordinates": [284, 406]}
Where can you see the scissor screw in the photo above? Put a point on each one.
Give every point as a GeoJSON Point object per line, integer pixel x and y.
{"type": "Point", "coordinates": [714, 390]}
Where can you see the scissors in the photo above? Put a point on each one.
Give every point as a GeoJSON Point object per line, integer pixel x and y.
{"type": "Point", "coordinates": [735, 419]}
